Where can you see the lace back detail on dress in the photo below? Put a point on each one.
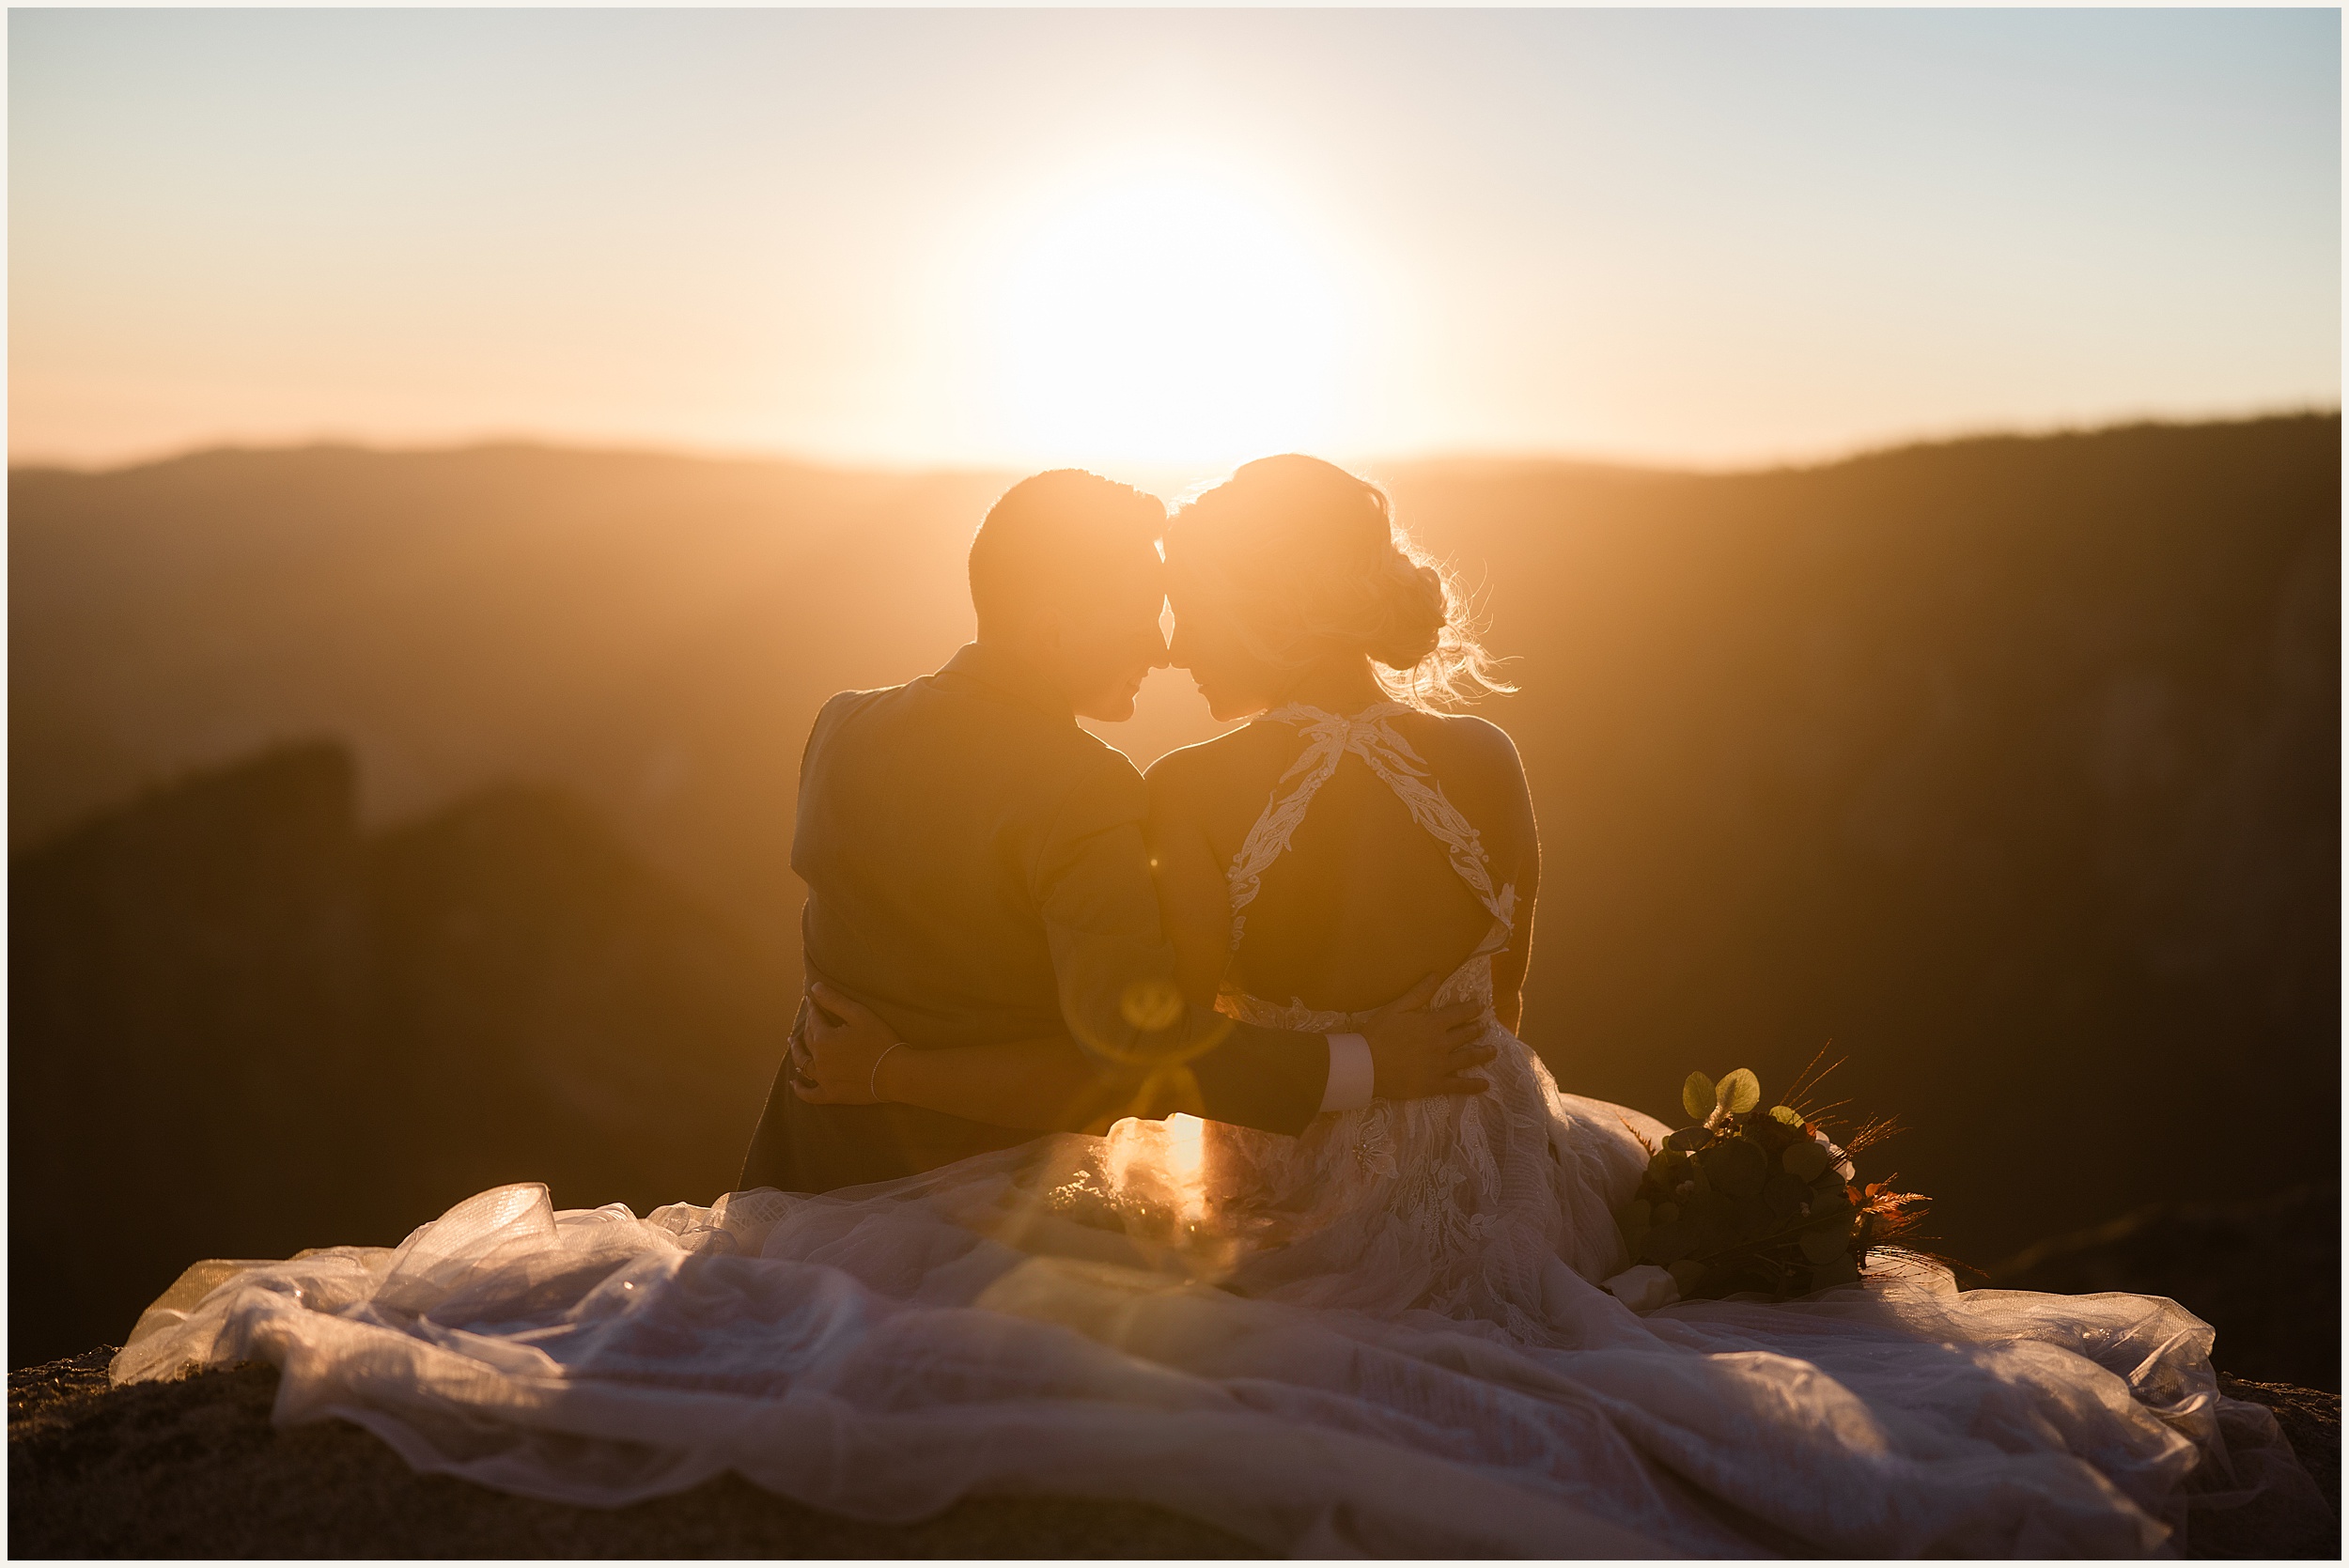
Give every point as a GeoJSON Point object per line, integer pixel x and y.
{"type": "Point", "coordinates": [1371, 736]}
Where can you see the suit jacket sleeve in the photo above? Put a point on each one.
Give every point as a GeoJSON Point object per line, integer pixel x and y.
{"type": "Point", "coordinates": [1116, 969]}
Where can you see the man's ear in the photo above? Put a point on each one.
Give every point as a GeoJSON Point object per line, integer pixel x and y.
{"type": "Point", "coordinates": [1046, 630]}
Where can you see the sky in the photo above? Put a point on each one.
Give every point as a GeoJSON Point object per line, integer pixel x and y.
{"type": "Point", "coordinates": [1715, 238]}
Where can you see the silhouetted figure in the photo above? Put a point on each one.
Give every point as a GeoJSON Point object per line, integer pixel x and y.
{"type": "Point", "coordinates": [977, 873]}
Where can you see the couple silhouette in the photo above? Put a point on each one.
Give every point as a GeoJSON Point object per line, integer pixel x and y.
{"type": "Point", "coordinates": [1009, 931]}
{"type": "Point", "coordinates": [1170, 1140]}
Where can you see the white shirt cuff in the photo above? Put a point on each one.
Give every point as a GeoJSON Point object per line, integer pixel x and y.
{"type": "Point", "coordinates": [1351, 1074]}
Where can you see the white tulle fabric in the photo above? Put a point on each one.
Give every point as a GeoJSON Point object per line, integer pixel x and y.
{"type": "Point", "coordinates": [1380, 1337]}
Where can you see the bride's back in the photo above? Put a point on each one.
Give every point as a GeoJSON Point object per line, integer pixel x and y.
{"type": "Point", "coordinates": [1364, 900]}
{"type": "Point", "coordinates": [1361, 840]}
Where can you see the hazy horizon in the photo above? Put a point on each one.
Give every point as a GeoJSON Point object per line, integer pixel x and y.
{"type": "Point", "coordinates": [1165, 240]}
{"type": "Point", "coordinates": [1162, 479]}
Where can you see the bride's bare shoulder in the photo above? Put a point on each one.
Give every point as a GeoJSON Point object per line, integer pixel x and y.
{"type": "Point", "coordinates": [1463, 738]}
{"type": "Point", "coordinates": [1209, 768]}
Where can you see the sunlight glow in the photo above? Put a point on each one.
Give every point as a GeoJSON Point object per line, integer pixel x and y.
{"type": "Point", "coordinates": [1187, 1164]}
{"type": "Point", "coordinates": [1161, 1164]}
{"type": "Point", "coordinates": [1170, 313]}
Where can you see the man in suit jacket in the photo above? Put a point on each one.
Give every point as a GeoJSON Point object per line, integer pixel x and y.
{"type": "Point", "coordinates": [977, 872]}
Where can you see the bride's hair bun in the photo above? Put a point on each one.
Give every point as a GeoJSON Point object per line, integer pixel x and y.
{"type": "Point", "coordinates": [1306, 557]}
{"type": "Point", "coordinates": [1410, 615]}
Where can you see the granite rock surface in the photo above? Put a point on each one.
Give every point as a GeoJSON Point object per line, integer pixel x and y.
{"type": "Point", "coordinates": [195, 1468]}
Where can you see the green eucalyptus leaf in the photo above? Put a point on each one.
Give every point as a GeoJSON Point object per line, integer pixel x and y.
{"type": "Point", "coordinates": [1837, 1271]}
{"type": "Point", "coordinates": [1740, 1092]}
{"type": "Point", "coordinates": [1805, 1161]}
{"type": "Point", "coordinates": [1696, 1097]}
{"type": "Point", "coordinates": [1784, 1193]}
{"type": "Point", "coordinates": [1666, 1244]}
{"type": "Point", "coordinates": [1822, 1246]}
{"type": "Point", "coordinates": [1786, 1115]}
{"type": "Point", "coordinates": [1737, 1166]}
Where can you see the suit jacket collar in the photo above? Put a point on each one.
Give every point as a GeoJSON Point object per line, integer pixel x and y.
{"type": "Point", "coordinates": [1007, 676]}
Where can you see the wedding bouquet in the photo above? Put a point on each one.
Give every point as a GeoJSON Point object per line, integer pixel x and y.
{"type": "Point", "coordinates": [1753, 1200]}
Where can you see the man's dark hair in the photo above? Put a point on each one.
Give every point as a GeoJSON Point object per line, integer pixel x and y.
{"type": "Point", "coordinates": [1054, 537]}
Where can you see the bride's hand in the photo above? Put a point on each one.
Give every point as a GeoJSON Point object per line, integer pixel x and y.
{"type": "Point", "coordinates": [843, 1063]}
{"type": "Point", "coordinates": [1417, 1050]}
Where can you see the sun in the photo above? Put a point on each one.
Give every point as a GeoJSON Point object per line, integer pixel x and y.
{"type": "Point", "coordinates": [1170, 313]}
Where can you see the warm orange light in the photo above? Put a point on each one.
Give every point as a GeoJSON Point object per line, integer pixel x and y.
{"type": "Point", "coordinates": [1167, 311]}
{"type": "Point", "coordinates": [1159, 1164]}
{"type": "Point", "coordinates": [1186, 1156]}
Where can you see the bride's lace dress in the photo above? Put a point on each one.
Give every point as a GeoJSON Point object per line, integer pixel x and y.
{"type": "Point", "coordinates": [1379, 1336]}
{"type": "Point", "coordinates": [1500, 1207]}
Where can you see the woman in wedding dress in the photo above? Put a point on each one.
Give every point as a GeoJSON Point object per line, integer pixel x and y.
{"type": "Point", "coordinates": [1385, 1336]}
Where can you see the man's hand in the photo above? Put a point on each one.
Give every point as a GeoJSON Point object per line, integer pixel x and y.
{"type": "Point", "coordinates": [841, 1063]}
{"type": "Point", "coordinates": [1417, 1050]}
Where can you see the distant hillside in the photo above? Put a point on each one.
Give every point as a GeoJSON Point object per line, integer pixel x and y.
{"type": "Point", "coordinates": [2010, 767]}
{"type": "Point", "coordinates": [652, 631]}
{"type": "Point", "coordinates": [239, 1026]}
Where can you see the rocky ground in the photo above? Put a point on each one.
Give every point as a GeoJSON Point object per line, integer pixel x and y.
{"type": "Point", "coordinates": [193, 1468]}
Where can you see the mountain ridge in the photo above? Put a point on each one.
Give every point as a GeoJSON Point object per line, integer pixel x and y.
{"type": "Point", "coordinates": [1433, 459]}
